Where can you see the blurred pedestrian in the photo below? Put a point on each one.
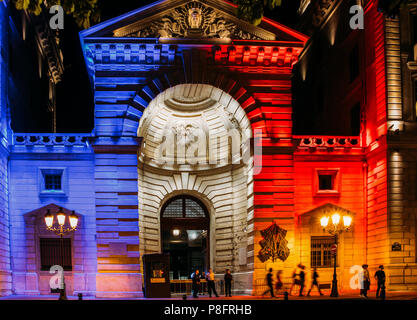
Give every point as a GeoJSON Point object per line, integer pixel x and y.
{"type": "Point", "coordinates": [278, 284]}
{"type": "Point", "coordinates": [315, 282]}
{"type": "Point", "coordinates": [295, 281]}
{"type": "Point", "coordinates": [302, 277]}
{"type": "Point", "coordinates": [269, 283]}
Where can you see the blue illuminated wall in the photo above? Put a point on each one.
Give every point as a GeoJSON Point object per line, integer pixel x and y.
{"type": "Point", "coordinates": [28, 159]}
{"type": "Point", "coordinates": [22, 196]}
{"type": "Point", "coordinates": [5, 273]}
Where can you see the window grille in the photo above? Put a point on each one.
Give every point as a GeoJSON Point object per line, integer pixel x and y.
{"type": "Point", "coordinates": [53, 181]}
{"type": "Point", "coordinates": [321, 256]}
{"type": "Point", "coordinates": [184, 207]}
{"type": "Point", "coordinates": [51, 253]}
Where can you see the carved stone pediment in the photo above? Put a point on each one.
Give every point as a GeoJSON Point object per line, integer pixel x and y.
{"type": "Point", "coordinates": [193, 19]}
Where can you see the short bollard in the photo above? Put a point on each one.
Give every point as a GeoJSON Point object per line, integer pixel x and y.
{"type": "Point", "coordinates": [80, 296]}
{"type": "Point", "coordinates": [286, 296]}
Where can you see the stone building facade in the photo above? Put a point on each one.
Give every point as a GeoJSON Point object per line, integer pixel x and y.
{"type": "Point", "coordinates": [191, 69]}
{"type": "Point", "coordinates": [401, 38]}
{"type": "Point", "coordinates": [31, 65]}
{"type": "Point", "coordinates": [379, 102]}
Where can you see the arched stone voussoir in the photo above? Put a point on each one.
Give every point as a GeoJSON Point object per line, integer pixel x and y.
{"type": "Point", "coordinates": [157, 85]}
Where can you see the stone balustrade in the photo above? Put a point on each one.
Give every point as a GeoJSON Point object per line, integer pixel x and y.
{"type": "Point", "coordinates": [328, 141]}
{"type": "Point", "coordinates": [50, 139]}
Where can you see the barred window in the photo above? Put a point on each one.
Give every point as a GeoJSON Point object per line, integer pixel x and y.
{"type": "Point", "coordinates": [174, 209]}
{"type": "Point", "coordinates": [321, 256]}
{"type": "Point", "coordinates": [53, 181]}
{"type": "Point", "coordinates": [51, 253]}
{"type": "Point", "coordinates": [193, 209]}
{"type": "Point", "coordinates": [184, 207]}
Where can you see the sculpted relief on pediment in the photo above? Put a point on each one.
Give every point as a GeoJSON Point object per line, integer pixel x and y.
{"type": "Point", "coordinates": [192, 20]}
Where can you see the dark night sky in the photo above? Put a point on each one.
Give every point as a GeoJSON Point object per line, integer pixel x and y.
{"type": "Point", "coordinates": [75, 105]}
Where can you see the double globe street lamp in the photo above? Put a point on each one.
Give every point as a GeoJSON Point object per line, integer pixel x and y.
{"type": "Point", "coordinates": [335, 227]}
{"type": "Point", "coordinates": [61, 229]}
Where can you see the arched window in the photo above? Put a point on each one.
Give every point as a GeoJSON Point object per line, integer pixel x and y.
{"type": "Point", "coordinates": [184, 212]}
{"type": "Point", "coordinates": [184, 207]}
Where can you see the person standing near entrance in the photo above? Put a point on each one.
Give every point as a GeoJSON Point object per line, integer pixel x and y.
{"type": "Point", "coordinates": [210, 283]}
{"type": "Point", "coordinates": [366, 281]}
{"type": "Point", "coordinates": [228, 283]}
{"type": "Point", "coordinates": [196, 283]}
{"type": "Point", "coordinates": [315, 282]}
{"type": "Point", "coordinates": [269, 283]}
{"type": "Point", "coordinates": [380, 277]}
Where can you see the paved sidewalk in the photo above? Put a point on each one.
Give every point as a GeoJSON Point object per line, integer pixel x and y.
{"type": "Point", "coordinates": [343, 296]}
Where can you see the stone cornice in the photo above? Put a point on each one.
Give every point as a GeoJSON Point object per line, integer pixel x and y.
{"type": "Point", "coordinates": [120, 145]}
{"type": "Point", "coordinates": [189, 169]}
{"type": "Point", "coordinates": [47, 155]}
{"type": "Point", "coordinates": [135, 55]}
{"type": "Point", "coordinates": [115, 149]}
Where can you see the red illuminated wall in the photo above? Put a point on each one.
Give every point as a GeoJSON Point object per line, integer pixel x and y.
{"type": "Point", "coordinates": [376, 130]}
{"type": "Point", "coordinates": [267, 81]}
{"type": "Point", "coordinates": [286, 188]}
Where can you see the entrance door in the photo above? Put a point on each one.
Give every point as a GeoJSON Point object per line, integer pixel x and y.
{"type": "Point", "coordinates": [185, 235]}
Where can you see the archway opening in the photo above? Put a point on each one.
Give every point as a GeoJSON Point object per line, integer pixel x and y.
{"type": "Point", "coordinates": [196, 141]}
{"type": "Point", "coordinates": [185, 230]}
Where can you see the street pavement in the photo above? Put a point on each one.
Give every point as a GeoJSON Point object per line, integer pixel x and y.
{"type": "Point", "coordinates": [390, 295]}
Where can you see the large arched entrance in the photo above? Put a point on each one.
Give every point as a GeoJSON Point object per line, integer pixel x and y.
{"type": "Point", "coordinates": [196, 143]}
{"type": "Point", "coordinates": [185, 229]}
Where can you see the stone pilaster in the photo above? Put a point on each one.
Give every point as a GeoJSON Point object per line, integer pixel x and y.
{"type": "Point", "coordinates": [5, 274]}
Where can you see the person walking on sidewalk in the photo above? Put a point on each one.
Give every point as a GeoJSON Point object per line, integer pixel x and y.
{"type": "Point", "coordinates": [269, 283]}
{"type": "Point", "coordinates": [196, 283]}
{"type": "Point", "coordinates": [210, 283]}
{"type": "Point", "coordinates": [302, 276]}
{"type": "Point", "coordinates": [228, 283]}
{"type": "Point", "coordinates": [278, 284]}
{"type": "Point", "coordinates": [315, 282]}
{"type": "Point", "coordinates": [366, 281]}
{"type": "Point", "coordinates": [295, 281]}
{"type": "Point", "coordinates": [380, 277]}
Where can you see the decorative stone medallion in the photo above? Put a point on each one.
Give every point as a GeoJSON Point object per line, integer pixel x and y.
{"type": "Point", "coordinates": [193, 20]}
